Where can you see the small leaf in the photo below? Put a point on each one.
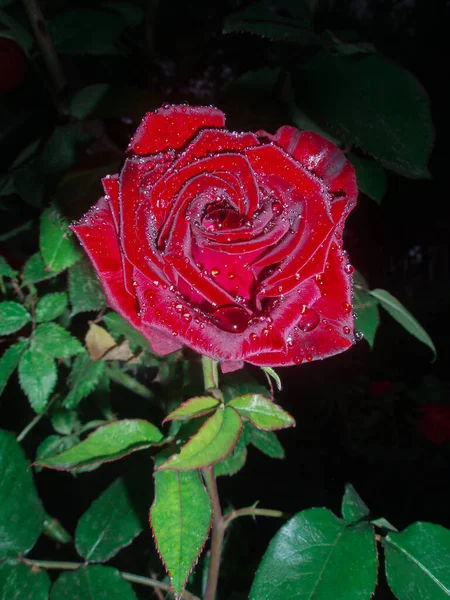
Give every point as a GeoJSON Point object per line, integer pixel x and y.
{"type": "Point", "coordinates": [272, 373]}
{"type": "Point", "coordinates": [18, 32]}
{"type": "Point", "coordinates": [194, 407]}
{"type": "Point", "coordinates": [132, 15]}
{"type": "Point", "coordinates": [13, 316]}
{"type": "Point", "coordinates": [236, 461]}
{"type": "Point", "coordinates": [262, 412]}
{"type": "Point", "coordinates": [180, 518]}
{"type": "Point", "coordinates": [214, 441]}
{"type": "Point", "coordinates": [107, 443]}
{"type": "Point", "coordinates": [22, 515]}
{"type": "Point", "coordinates": [371, 177]}
{"type": "Point", "coordinates": [35, 270]}
{"type": "Point", "coordinates": [83, 379]}
{"type": "Point", "coordinates": [84, 288]}
{"type": "Point", "coordinates": [315, 555]}
{"type": "Point", "coordinates": [403, 317]}
{"type": "Point", "coordinates": [353, 507]}
{"type": "Point", "coordinates": [20, 582]}
{"type": "Point", "coordinates": [6, 270]}
{"type": "Point", "coordinates": [368, 318]}
{"type": "Point", "coordinates": [267, 442]}
{"type": "Point", "coordinates": [9, 362]}
{"type": "Point", "coordinates": [87, 583]}
{"type": "Point", "coordinates": [51, 306]}
{"type": "Point", "coordinates": [119, 327]}
{"type": "Point", "coordinates": [37, 378]}
{"type": "Point", "coordinates": [417, 562]}
{"type": "Point", "coordinates": [86, 100]}
{"type": "Point", "coordinates": [55, 444]}
{"type": "Point", "coordinates": [53, 529]}
{"type": "Point", "coordinates": [54, 341]}
{"type": "Point", "coordinates": [57, 244]}
{"type": "Point", "coordinates": [115, 518]}
{"type": "Point", "coordinates": [102, 346]}
{"type": "Point", "coordinates": [59, 153]}
{"type": "Point", "coordinates": [65, 421]}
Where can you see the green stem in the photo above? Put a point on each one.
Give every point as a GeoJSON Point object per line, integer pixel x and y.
{"type": "Point", "coordinates": [72, 566]}
{"type": "Point", "coordinates": [210, 373]}
{"type": "Point", "coordinates": [36, 419]}
{"type": "Point", "coordinates": [218, 531]}
{"type": "Point", "coordinates": [252, 512]}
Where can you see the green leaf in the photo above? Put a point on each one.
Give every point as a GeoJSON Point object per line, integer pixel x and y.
{"type": "Point", "coordinates": [84, 288]}
{"type": "Point", "coordinates": [403, 317]}
{"type": "Point", "coordinates": [83, 379]}
{"type": "Point", "coordinates": [84, 101]}
{"type": "Point", "coordinates": [214, 441]}
{"type": "Point", "coordinates": [35, 270]}
{"type": "Point", "coordinates": [118, 327]}
{"type": "Point", "coordinates": [274, 375]}
{"type": "Point", "coordinates": [317, 556]}
{"type": "Point", "coordinates": [53, 340]}
{"type": "Point", "coordinates": [267, 442]}
{"type": "Point", "coordinates": [55, 444]}
{"type": "Point", "coordinates": [288, 21]}
{"type": "Point", "coordinates": [376, 106]}
{"type": "Point", "coordinates": [132, 15]}
{"type": "Point", "coordinates": [13, 316]}
{"type": "Point", "coordinates": [371, 177]}
{"type": "Point", "coordinates": [262, 412]}
{"type": "Point", "coordinates": [37, 378]}
{"type": "Point", "coordinates": [368, 318]}
{"type": "Point", "coordinates": [65, 421]}
{"type": "Point", "coordinates": [9, 362]}
{"type": "Point", "coordinates": [58, 248]}
{"type": "Point", "coordinates": [87, 583]}
{"type": "Point", "coordinates": [18, 32]}
{"type": "Point", "coordinates": [115, 518]}
{"type": "Point", "coordinates": [51, 306]}
{"type": "Point", "coordinates": [6, 270]}
{"type": "Point", "coordinates": [236, 461]}
{"type": "Point", "coordinates": [53, 529]}
{"type": "Point", "coordinates": [107, 443]}
{"type": "Point", "coordinates": [21, 515]}
{"type": "Point", "coordinates": [86, 31]}
{"type": "Point", "coordinates": [180, 518]}
{"type": "Point", "coordinates": [194, 407]}
{"type": "Point", "coordinates": [60, 152]}
{"type": "Point", "coordinates": [417, 562]}
{"type": "Point", "coordinates": [353, 507]}
{"type": "Point", "coordinates": [20, 582]}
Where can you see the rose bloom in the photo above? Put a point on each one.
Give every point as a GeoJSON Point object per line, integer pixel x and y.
{"type": "Point", "coordinates": [229, 243]}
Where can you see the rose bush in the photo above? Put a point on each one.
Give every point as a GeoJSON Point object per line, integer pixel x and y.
{"type": "Point", "coordinates": [229, 243]}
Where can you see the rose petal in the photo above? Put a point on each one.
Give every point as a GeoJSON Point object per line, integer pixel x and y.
{"type": "Point", "coordinates": [97, 234]}
{"type": "Point", "coordinates": [172, 126]}
{"type": "Point", "coordinates": [111, 186]}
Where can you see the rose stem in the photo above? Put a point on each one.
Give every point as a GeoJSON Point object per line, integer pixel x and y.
{"type": "Point", "coordinates": [45, 44]}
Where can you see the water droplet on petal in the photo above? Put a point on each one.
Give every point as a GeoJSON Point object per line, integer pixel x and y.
{"type": "Point", "coordinates": [349, 269]}
{"type": "Point", "coordinates": [298, 359]}
{"type": "Point", "coordinates": [277, 208]}
{"type": "Point", "coordinates": [347, 307]}
{"type": "Point", "coordinates": [309, 319]}
{"type": "Point", "coordinates": [359, 336]}
{"type": "Point", "coordinates": [187, 317]}
{"type": "Point", "coordinates": [215, 272]}
{"type": "Point", "coordinates": [309, 357]}
{"type": "Point", "coordinates": [253, 337]}
{"type": "Point", "coordinates": [231, 318]}
{"type": "Point", "coordinates": [346, 330]}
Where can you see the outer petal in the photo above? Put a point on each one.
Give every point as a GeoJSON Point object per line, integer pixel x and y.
{"type": "Point", "coordinates": [172, 126]}
{"type": "Point", "coordinates": [97, 234]}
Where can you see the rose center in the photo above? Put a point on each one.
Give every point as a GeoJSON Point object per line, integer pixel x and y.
{"type": "Point", "coordinates": [222, 217]}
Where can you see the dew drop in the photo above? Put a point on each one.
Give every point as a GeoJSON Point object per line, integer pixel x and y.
{"type": "Point", "coordinates": [215, 272]}
{"type": "Point", "coordinates": [298, 359]}
{"type": "Point", "coordinates": [359, 336]}
{"type": "Point", "coordinates": [349, 269]}
{"type": "Point", "coordinates": [347, 307]}
{"type": "Point", "coordinates": [309, 319]}
{"type": "Point", "coordinates": [277, 208]}
{"type": "Point", "coordinates": [327, 265]}
{"type": "Point", "coordinates": [231, 318]}
{"type": "Point", "coordinates": [346, 330]}
{"type": "Point", "coordinates": [231, 275]}
{"type": "Point", "coordinates": [253, 337]}
{"type": "Point", "coordinates": [187, 317]}
{"type": "Point", "coordinates": [266, 332]}
{"type": "Point", "coordinates": [333, 247]}
{"type": "Point", "coordinates": [174, 333]}
{"type": "Point", "coordinates": [309, 357]}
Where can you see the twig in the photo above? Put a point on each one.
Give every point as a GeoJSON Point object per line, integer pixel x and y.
{"type": "Point", "coordinates": [218, 530]}
{"type": "Point", "coordinates": [36, 419]}
{"type": "Point", "coordinates": [138, 579]}
{"type": "Point", "coordinates": [252, 511]}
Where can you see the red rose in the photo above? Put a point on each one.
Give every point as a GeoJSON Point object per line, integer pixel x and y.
{"type": "Point", "coordinates": [435, 424]}
{"type": "Point", "coordinates": [13, 65]}
{"type": "Point", "coordinates": [226, 242]}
